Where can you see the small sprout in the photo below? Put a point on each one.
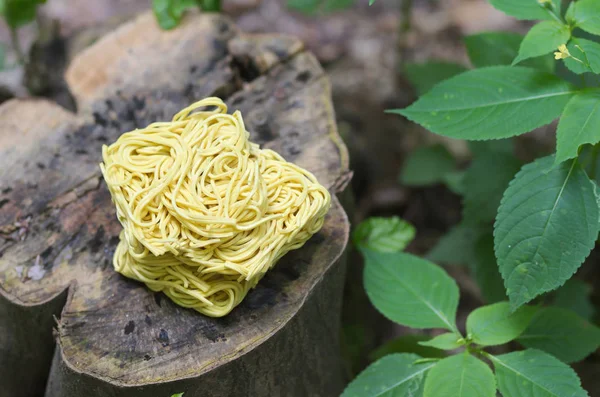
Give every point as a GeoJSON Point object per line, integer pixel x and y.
{"type": "Point", "coordinates": [562, 53]}
{"type": "Point", "coordinates": [546, 3]}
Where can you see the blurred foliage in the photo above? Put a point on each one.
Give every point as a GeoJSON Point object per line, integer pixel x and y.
{"type": "Point", "coordinates": [169, 12]}
{"type": "Point", "coordinates": [407, 344]}
{"type": "Point", "coordinates": [423, 76]}
{"type": "Point", "coordinates": [384, 234]}
{"type": "Point", "coordinates": [17, 13]}
{"type": "Point", "coordinates": [575, 296]}
{"type": "Point", "coordinates": [427, 166]}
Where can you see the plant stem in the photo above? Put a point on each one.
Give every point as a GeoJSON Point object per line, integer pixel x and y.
{"type": "Point", "coordinates": [552, 11]}
{"type": "Point", "coordinates": [404, 28]}
{"type": "Point", "coordinates": [406, 14]}
{"type": "Point", "coordinates": [557, 18]}
{"type": "Point", "coordinates": [16, 44]}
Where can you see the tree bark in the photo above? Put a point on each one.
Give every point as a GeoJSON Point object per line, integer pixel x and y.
{"type": "Point", "coordinates": [58, 229]}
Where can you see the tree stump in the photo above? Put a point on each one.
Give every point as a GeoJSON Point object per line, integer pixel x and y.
{"type": "Point", "coordinates": [58, 229]}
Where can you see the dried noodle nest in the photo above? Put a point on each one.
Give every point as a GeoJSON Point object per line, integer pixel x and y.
{"type": "Point", "coordinates": [205, 212]}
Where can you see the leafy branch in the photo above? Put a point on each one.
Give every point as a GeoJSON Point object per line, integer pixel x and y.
{"type": "Point", "coordinates": [417, 293]}
{"type": "Point", "coordinates": [547, 222]}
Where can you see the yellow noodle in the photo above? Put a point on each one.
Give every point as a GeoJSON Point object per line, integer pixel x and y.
{"type": "Point", "coordinates": [205, 212]}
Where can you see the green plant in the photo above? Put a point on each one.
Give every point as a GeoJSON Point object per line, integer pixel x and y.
{"type": "Point", "coordinates": [525, 229]}
{"type": "Point", "coordinates": [312, 7]}
{"type": "Point", "coordinates": [415, 292]}
{"type": "Point", "coordinates": [17, 13]}
{"type": "Point", "coordinates": [546, 213]}
{"type": "Point", "coordinates": [169, 12]}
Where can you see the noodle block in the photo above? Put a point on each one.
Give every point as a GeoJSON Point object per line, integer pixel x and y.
{"type": "Point", "coordinates": [205, 212]}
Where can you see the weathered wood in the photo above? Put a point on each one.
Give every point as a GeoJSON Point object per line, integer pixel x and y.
{"type": "Point", "coordinates": [26, 345]}
{"type": "Point", "coordinates": [58, 229]}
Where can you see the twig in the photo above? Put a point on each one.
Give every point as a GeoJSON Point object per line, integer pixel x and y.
{"type": "Point", "coordinates": [404, 28]}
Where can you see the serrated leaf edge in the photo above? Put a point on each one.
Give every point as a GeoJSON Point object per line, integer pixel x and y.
{"type": "Point", "coordinates": [495, 360]}
{"type": "Point", "coordinates": [502, 202]}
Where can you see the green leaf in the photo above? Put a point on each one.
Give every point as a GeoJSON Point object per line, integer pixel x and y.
{"type": "Point", "coordinates": [561, 333]}
{"type": "Point", "coordinates": [427, 166]}
{"type": "Point", "coordinates": [588, 158]}
{"type": "Point", "coordinates": [575, 296]}
{"type": "Point", "coordinates": [393, 375]}
{"type": "Point", "coordinates": [411, 291]}
{"type": "Point", "coordinates": [582, 80]}
{"type": "Point", "coordinates": [164, 16]}
{"type": "Point", "coordinates": [177, 395]}
{"type": "Point", "coordinates": [579, 124]}
{"type": "Point", "coordinates": [407, 344]}
{"type": "Point", "coordinates": [542, 39]}
{"type": "Point", "coordinates": [457, 247]}
{"type": "Point", "coordinates": [485, 182]}
{"type": "Point", "coordinates": [336, 5]}
{"type": "Point", "coordinates": [168, 13]}
{"type": "Point", "coordinates": [532, 373]}
{"type": "Point", "coordinates": [495, 324]}
{"type": "Point", "coordinates": [570, 14]}
{"type": "Point", "coordinates": [20, 12]}
{"type": "Point", "coordinates": [423, 76]}
{"type": "Point", "coordinates": [383, 234]}
{"type": "Point", "coordinates": [588, 52]}
{"type": "Point", "coordinates": [546, 226]}
{"type": "Point", "coordinates": [371, 2]}
{"type": "Point", "coordinates": [209, 5]}
{"type": "Point", "coordinates": [461, 375]}
{"type": "Point", "coordinates": [493, 48]}
{"type": "Point", "coordinates": [491, 103]}
{"type": "Point", "coordinates": [586, 15]}
{"type": "Point", "coordinates": [448, 341]}
{"type": "Point", "coordinates": [305, 6]}
{"type": "Point", "coordinates": [525, 9]}
{"type": "Point", "coordinates": [483, 148]}
{"type": "Point", "coordinates": [312, 7]}
{"type": "Point", "coordinates": [455, 181]}
{"type": "Point", "coordinates": [485, 270]}
{"type": "Point", "coordinates": [501, 48]}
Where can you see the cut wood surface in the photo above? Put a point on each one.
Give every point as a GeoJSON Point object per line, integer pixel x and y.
{"type": "Point", "coordinates": [58, 228]}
